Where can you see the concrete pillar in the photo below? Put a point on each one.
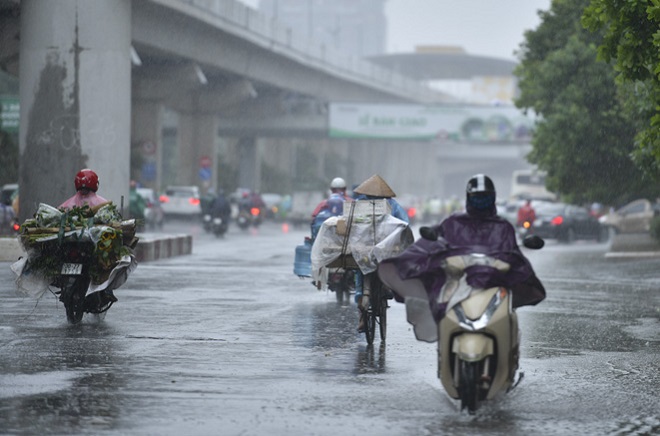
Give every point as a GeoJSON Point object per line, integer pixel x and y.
{"type": "Point", "coordinates": [197, 138]}
{"type": "Point", "coordinates": [147, 133]}
{"type": "Point", "coordinates": [75, 94]}
{"type": "Point", "coordinates": [187, 163]}
{"type": "Point", "coordinates": [249, 168]}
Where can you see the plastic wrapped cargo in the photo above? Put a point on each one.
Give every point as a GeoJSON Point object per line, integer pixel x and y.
{"type": "Point", "coordinates": [361, 238]}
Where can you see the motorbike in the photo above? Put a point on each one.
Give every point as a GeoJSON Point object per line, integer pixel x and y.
{"type": "Point", "coordinates": [216, 225]}
{"type": "Point", "coordinates": [523, 229]}
{"type": "Point", "coordinates": [476, 326]}
{"type": "Point", "coordinates": [74, 279]}
{"type": "Point", "coordinates": [84, 252]}
{"type": "Point", "coordinates": [247, 218]}
{"type": "Point", "coordinates": [8, 223]}
{"type": "Point", "coordinates": [207, 222]}
{"type": "Point", "coordinates": [342, 282]}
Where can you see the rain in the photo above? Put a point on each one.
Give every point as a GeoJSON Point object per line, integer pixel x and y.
{"type": "Point", "coordinates": [201, 144]}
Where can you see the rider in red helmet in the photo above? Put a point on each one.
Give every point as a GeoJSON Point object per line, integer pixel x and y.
{"type": "Point", "coordinates": [87, 183]}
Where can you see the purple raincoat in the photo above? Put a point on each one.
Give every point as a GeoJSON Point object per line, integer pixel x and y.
{"type": "Point", "coordinates": [418, 269]}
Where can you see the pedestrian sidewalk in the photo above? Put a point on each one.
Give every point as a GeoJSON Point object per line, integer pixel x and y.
{"type": "Point", "coordinates": [151, 246]}
{"type": "Point", "coordinates": [633, 245]}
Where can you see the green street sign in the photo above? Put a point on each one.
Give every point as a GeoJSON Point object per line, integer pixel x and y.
{"type": "Point", "coordinates": [9, 113]}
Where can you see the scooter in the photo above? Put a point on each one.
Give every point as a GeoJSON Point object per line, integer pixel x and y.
{"type": "Point", "coordinates": [478, 336]}
{"type": "Point", "coordinates": [219, 226]}
{"type": "Point", "coordinates": [247, 218]}
{"type": "Point", "coordinates": [523, 229]}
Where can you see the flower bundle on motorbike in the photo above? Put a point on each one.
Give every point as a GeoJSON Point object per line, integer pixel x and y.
{"type": "Point", "coordinates": [94, 245]}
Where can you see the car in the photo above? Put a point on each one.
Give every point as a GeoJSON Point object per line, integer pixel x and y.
{"type": "Point", "coordinates": [181, 201]}
{"type": "Point", "coordinates": [413, 206]}
{"type": "Point", "coordinates": [8, 190]}
{"type": "Point", "coordinates": [154, 215]}
{"type": "Point", "coordinates": [634, 217]}
{"type": "Point", "coordinates": [272, 201]}
{"type": "Point", "coordinates": [567, 223]}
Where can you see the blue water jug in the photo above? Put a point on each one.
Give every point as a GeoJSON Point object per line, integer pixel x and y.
{"type": "Point", "coordinates": [302, 265]}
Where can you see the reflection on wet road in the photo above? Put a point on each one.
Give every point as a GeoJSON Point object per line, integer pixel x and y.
{"type": "Point", "coordinates": [229, 341]}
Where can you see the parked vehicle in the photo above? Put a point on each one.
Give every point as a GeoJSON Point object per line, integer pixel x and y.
{"type": "Point", "coordinates": [181, 201]}
{"type": "Point", "coordinates": [302, 206]}
{"type": "Point", "coordinates": [476, 327]}
{"type": "Point", "coordinates": [567, 223]}
{"type": "Point", "coordinates": [154, 216]}
{"type": "Point", "coordinates": [634, 217]}
{"type": "Point", "coordinates": [530, 184]}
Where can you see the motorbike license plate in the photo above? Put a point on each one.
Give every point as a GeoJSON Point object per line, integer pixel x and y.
{"type": "Point", "coordinates": [72, 269]}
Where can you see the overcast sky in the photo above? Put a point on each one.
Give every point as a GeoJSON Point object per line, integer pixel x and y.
{"type": "Point", "coordinates": [482, 27]}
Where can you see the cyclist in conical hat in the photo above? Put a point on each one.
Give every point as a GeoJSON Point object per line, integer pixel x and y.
{"type": "Point", "coordinates": [373, 188]}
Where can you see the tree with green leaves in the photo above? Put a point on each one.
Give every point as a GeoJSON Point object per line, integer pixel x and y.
{"type": "Point", "coordinates": [583, 138]}
{"type": "Point", "coordinates": [631, 38]}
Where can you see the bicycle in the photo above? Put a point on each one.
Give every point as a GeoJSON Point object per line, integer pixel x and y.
{"type": "Point", "coordinates": [376, 312]}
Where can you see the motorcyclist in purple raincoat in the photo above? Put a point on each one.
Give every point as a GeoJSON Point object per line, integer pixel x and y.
{"type": "Point", "coordinates": [478, 230]}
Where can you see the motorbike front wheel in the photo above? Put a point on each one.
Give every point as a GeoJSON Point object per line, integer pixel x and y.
{"type": "Point", "coordinates": [468, 385]}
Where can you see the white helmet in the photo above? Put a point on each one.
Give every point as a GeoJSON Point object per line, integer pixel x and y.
{"type": "Point", "coordinates": [338, 183]}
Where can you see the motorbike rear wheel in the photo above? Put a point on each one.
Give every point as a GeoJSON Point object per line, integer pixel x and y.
{"type": "Point", "coordinates": [73, 298]}
{"type": "Point", "coordinates": [468, 385]}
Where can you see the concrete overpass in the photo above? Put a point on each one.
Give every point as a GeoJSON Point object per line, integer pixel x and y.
{"type": "Point", "coordinates": [192, 78]}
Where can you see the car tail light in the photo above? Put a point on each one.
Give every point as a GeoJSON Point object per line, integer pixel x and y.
{"type": "Point", "coordinates": [164, 199]}
{"type": "Point", "coordinates": [255, 211]}
{"type": "Point", "coordinates": [557, 221]}
{"type": "Point", "coordinates": [411, 212]}
{"type": "Point", "coordinates": [194, 201]}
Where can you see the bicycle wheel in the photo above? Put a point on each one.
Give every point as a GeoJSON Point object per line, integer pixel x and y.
{"type": "Point", "coordinates": [382, 318]}
{"type": "Point", "coordinates": [370, 324]}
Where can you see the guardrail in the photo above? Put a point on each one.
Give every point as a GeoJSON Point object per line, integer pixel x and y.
{"type": "Point", "coordinates": [271, 34]}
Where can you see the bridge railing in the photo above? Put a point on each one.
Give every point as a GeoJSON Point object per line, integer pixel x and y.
{"type": "Point", "coordinates": [277, 37]}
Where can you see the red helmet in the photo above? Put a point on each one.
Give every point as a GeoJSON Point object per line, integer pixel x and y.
{"type": "Point", "coordinates": [87, 179]}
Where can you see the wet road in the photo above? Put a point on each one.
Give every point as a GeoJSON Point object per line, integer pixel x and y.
{"type": "Point", "coordinates": [228, 341]}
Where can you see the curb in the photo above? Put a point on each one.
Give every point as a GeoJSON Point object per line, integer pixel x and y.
{"type": "Point", "coordinates": [149, 248]}
{"type": "Point", "coordinates": [633, 245]}
{"type": "Point", "coordinates": [631, 254]}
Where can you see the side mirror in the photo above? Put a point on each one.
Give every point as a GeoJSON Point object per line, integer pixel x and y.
{"type": "Point", "coordinates": [534, 242]}
{"type": "Point", "coordinates": [428, 233]}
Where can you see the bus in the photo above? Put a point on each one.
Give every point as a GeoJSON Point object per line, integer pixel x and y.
{"type": "Point", "coordinates": [530, 184]}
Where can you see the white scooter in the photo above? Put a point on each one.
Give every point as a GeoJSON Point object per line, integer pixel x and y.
{"type": "Point", "coordinates": [479, 340]}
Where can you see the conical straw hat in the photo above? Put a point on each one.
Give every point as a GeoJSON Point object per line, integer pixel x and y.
{"type": "Point", "coordinates": [376, 187]}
